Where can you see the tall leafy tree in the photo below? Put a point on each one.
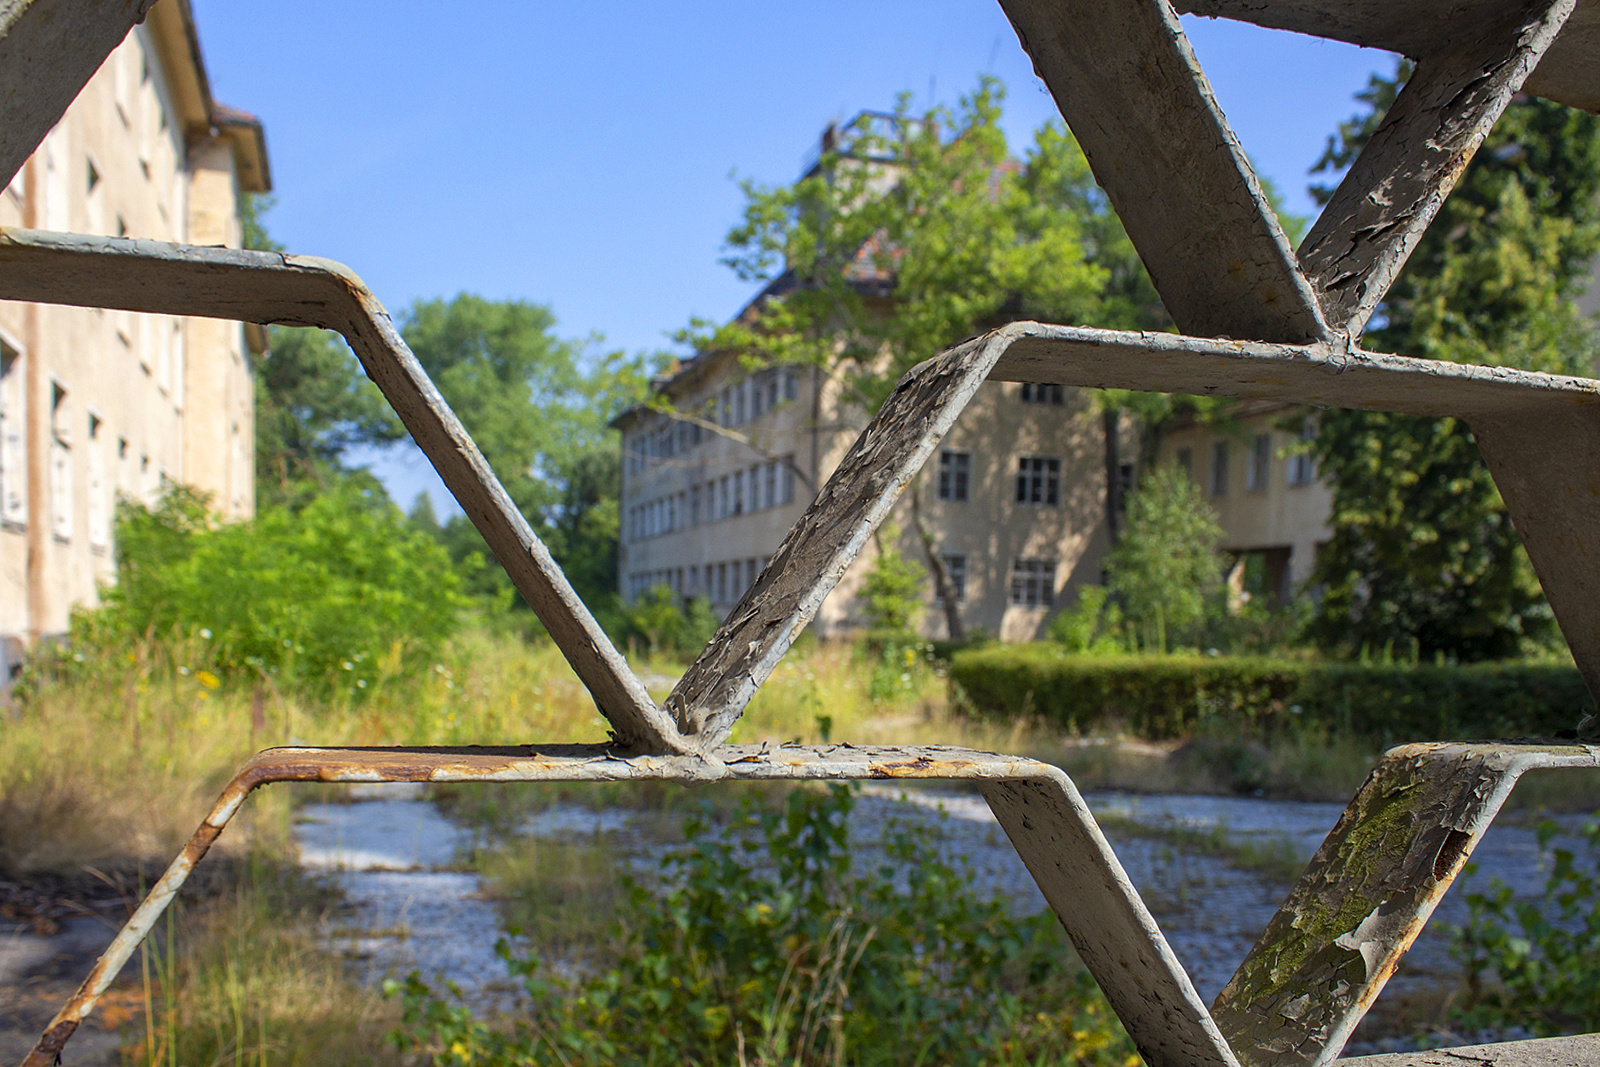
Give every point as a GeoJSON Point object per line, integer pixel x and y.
{"type": "Point", "coordinates": [538, 408]}
{"type": "Point", "coordinates": [914, 232]}
{"type": "Point", "coordinates": [1166, 570]}
{"type": "Point", "coordinates": [1423, 556]}
{"type": "Point", "coordinates": [314, 403]}
{"type": "Point", "coordinates": [313, 406]}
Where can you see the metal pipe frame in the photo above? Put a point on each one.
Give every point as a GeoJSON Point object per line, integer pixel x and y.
{"type": "Point", "coordinates": [1219, 258]}
{"type": "Point", "coordinates": [1294, 1000]}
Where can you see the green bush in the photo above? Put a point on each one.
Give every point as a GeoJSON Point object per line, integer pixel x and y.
{"type": "Point", "coordinates": [1535, 965]}
{"type": "Point", "coordinates": [666, 624]}
{"type": "Point", "coordinates": [891, 590]}
{"type": "Point", "coordinates": [1161, 697]}
{"type": "Point", "coordinates": [1165, 571]}
{"type": "Point", "coordinates": [767, 946]}
{"type": "Point", "coordinates": [330, 597]}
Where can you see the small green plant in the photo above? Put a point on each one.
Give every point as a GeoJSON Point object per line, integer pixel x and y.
{"type": "Point", "coordinates": [1092, 624]}
{"type": "Point", "coordinates": [668, 625]}
{"type": "Point", "coordinates": [1536, 964]}
{"type": "Point", "coordinates": [767, 946]}
{"type": "Point", "coordinates": [893, 585]}
{"type": "Point", "coordinates": [1166, 571]}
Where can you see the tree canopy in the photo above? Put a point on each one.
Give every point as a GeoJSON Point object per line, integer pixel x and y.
{"type": "Point", "coordinates": [538, 408]}
{"type": "Point", "coordinates": [1424, 558]}
{"type": "Point", "coordinates": [916, 231]}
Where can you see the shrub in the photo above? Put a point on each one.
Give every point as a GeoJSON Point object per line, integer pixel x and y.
{"type": "Point", "coordinates": [1541, 958]}
{"type": "Point", "coordinates": [892, 587]}
{"type": "Point", "coordinates": [669, 625]}
{"type": "Point", "coordinates": [1165, 570]}
{"type": "Point", "coordinates": [326, 596]}
{"type": "Point", "coordinates": [1174, 696]}
{"type": "Point", "coordinates": [767, 947]}
{"type": "Point", "coordinates": [1091, 624]}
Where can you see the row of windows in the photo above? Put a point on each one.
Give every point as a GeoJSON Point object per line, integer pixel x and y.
{"type": "Point", "coordinates": [1299, 471]}
{"type": "Point", "coordinates": [735, 405]}
{"type": "Point", "coordinates": [765, 485]}
{"type": "Point", "coordinates": [1038, 478]}
{"type": "Point", "coordinates": [720, 583]}
{"type": "Point", "coordinates": [1033, 580]}
{"type": "Point", "coordinates": [753, 397]}
{"type": "Point", "coordinates": [144, 482]}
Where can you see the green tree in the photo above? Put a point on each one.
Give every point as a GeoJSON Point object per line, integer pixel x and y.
{"type": "Point", "coordinates": [1166, 572]}
{"type": "Point", "coordinates": [1423, 556]}
{"type": "Point", "coordinates": [914, 232]}
{"type": "Point", "coordinates": [314, 403]}
{"type": "Point", "coordinates": [891, 584]}
{"type": "Point", "coordinates": [538, 407]}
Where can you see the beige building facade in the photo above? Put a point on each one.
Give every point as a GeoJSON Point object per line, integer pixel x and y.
{"type": "Point", "coordinates": [99, 404]}
{"type": "Point", "coordinates": [1257, 474]}
{"type": "Point", "coordinates": [714, 477]}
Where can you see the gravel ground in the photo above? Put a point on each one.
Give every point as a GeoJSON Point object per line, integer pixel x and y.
{"type": "Point", "coordinates": [395, 858]}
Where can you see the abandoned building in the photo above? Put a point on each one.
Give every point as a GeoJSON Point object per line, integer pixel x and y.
{"type": "Point", "coordinates": [713, 478]}
{"type": "Point", "coordinates": [98, 404]}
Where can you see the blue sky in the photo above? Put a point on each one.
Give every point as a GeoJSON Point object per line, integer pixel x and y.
{"type": "Point", "coordinates": [585, 156]}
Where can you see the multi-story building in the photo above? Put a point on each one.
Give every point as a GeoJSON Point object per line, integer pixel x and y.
{"type": "Point", "coordinates": [1256, 473]}
{"type": "Point", "coordinates": [719, 468]}
{"type": "Point", "coordinates": [714, 478]}
{"type": "Point", "coordinates": [97, 404]}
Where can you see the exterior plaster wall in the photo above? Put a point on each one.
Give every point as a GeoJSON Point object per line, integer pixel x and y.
{"type": "Point", "coordinates": [987, 527]}
{"type": "Point", "coordinates": [1284, 509]}
{"type": "Point", "coordinates": [103, 398]}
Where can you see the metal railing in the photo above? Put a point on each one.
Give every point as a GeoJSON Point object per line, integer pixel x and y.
{"type": "Point", "coordinates": [1126, 81]}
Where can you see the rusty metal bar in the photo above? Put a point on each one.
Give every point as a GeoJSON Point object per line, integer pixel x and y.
{"type": "Point", "coordinates": [1419, 28]}
{"type": "Point", "coordinates": [1127, 82]}
{"type": "Point", "coordinates": [1366, 895]}
{"type": "Point", "coordinates": [1583, 1051]}
{"type": "Point", "coordinates": [1115, 934]}
{"type": "Point", "coordinates": [258, 286]}
{"type": "Point", "coordinates": [48, 50]}
{"type": "Point", "coordinates": [271, 287]}
{"type": "Point", "coordinates": [1390, 195]}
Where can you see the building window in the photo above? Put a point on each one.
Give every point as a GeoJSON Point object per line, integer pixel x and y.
{"type": "Point", "coordinates": [60, 464]}
{"type": "Point", "coordinates": [955, 569]}
{"type": "Point", "coordinates": [1219, 469]}
{"type": "Point", "coordinates": [1039, 481]}
{"type": "Point", "coordinates": [1033, 583]}
{"type": "Point", "coordinates": [786, 481]}
{"type": "Point", "coordinates": [1258, 464]}
{"type": "Point", "coordinates": [955, 472]}
{"type": "Point", "coordinates": [1186, 461]}
{"type": "Point", "coordinates": [1302, 466]}
{"type": "Point", "coordinates": [13, 438]}
{"type": "Point", "coordinates": [99, 491]}
{"type": "Point", "coordinates": [1043, 393]}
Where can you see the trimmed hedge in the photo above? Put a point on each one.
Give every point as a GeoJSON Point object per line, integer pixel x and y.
{"type": "Point", "coordinates": [1161, 697]}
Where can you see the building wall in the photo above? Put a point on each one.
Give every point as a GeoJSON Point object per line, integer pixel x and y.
{"type": "Point", "coordinates": [1266, 492]}
{"type": "Point", "coordinates": [677, 531]}
{"type": "Point", "coordinates": [103, 403]}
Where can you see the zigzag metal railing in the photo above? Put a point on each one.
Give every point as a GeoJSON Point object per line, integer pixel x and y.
{"type": "Point", "coordinates": [1407, 833]}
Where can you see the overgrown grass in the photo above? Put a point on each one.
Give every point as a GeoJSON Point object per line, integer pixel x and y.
{"type": "Point", "coordinates": [111, 763]}
{"type": "Point", "coordinates": [239, 980]}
